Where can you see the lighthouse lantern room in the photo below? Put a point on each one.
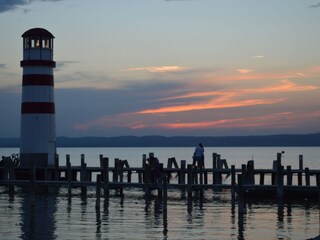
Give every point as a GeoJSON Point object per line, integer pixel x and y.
{"type": "Point", "coordinates": [38, 130]}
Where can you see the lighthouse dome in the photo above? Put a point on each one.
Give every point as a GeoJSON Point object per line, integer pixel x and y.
{"type": "Point", "coordinates": [39, 32]}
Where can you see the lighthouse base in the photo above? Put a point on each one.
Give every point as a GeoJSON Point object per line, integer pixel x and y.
{"type": "Point", "coordinates": [37, 161]}
{"type": "Point", "coordinates": [40, 160]}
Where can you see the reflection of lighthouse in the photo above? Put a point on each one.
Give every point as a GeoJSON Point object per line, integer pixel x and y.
{"type": "Point", "coordinates": [38, 133]}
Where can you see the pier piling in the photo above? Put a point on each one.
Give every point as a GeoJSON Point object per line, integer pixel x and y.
{"type": "Point", "coordinates": [283, 181]}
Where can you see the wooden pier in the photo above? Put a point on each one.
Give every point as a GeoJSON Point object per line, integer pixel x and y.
{"type": "Point", "coordinates": [278, 182]}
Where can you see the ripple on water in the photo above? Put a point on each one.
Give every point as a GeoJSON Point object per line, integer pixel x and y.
{"type": "Point", "coordinates": [55, 216]}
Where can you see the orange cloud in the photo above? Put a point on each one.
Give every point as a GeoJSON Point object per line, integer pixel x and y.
{"type": "Point", "coordinates": [213, 97]}
{"type": "Point", "coordinates": [229, 98]}
{"type": "Point", "coordinates": [285, 86]}
{"type": "Point", "coordinates": [244, 70]}
{"type": "Point", "coordinates": [157, 69]}
{"type": "Point", "coordinates": [279, 120]}
{"type": "Point", "coordinates": [214, 104]}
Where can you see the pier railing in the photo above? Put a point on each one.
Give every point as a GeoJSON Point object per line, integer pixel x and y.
{"type": "Point", "coordinates": [277, 182]}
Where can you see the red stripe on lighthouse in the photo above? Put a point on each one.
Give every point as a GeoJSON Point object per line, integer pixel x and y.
{"type": "Point", "coordinates": [42, 63]}
{"type": "Point", "coordinates": [37, 107]}
{"type": "Point", "coordinates": [37, 80]}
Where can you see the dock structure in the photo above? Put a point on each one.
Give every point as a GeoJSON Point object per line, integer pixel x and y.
{"type": "Point", "coordinates": [278, 182]}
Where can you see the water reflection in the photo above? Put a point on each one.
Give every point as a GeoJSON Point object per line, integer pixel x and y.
{"type": "Point", "coordinates": [98, 224]}
{"type": "Point", "coordinates": [38, 216]}
{"type": "Point", "coordinates": [215, 216]}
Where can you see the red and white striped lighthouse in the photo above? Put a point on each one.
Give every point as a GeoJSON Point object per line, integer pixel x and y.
{"type": "Point", "coordinates": [38, 130]}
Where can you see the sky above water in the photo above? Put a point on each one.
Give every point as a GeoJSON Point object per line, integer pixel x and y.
{"type": "Point", "coordinates": [170, 67]}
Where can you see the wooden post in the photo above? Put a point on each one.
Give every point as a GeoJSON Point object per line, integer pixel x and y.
{"type": "Point", "coordinates": [233, 181]}
{"type": "Point", "coordinates": [280, 182]}
{"type": "Point", "coordinates": [205, 178]}
{"type": "Point", "coordinates": [289, 176]}
{"type": "Point", "coordinates": [144, 160]}
{"type": "Point", "coordinates": [69, 174]}
{"type": "Point", "coordinates": [318, 185]}
{"type": "Point", "coordinates": [274, 174]}
{"type": "Point", "coordinates": [129, 176]}
{"type": "Point", "coordinates": [307, 176]}
{"type": "Point", "coordinates": [195, 176]}
{"type": "Point", "coordinates": [115, 170]}
{"type": "Point", "coordinates": [201, 175]}
{"type": "Point", "coordinates": [120, 171]}
{"type": "Point", "coordinates": [105, 174]}
{"type": "Point", "coordinates": [190, 179]}
{"type": "Point", "coordinates": [101, 161]}
{"type": "Point", "coordinates": [214, 160]}
{"type": "Point", "coordinates": [279, 155]}
{"type": "Point", "coordinates": [279, 177]}
{"type": "Point", "coordinates": [141, 176]}
{"type": "Point", "coordinates": [250, 172]}
{"type": "Point", "coordinates": [98, 192]}
{"type": "Point", "coordinates": [219, 175]}
{"type": "Point", "coordinates": [162, 180]}
{"type": "Point", "coordinates": [125, 164]}
{"type": "Point", "coordinates": [147, 181]}
{"type": "Point", "coordinates": [83, 177]}
{"type": "Point", "coordinates": [301, 169]}
{"type": "Point", "coordinates": [182, 177]}
{"type": "Point", "coordinates": [165, 203]}
{"type": "Point", "coordinates": [244, 173]}
{"type": "Point", "coordinates": [318, 179]}
{"type": "Point", "coordinates": [165, 193]}
{"type": "Point", "coordinates": [214, 167]}
{"type": "Point", "coordinates": [56, 168]}
{"type": "Point", "coordinates": [241, 200]}
{"type": "Point", "coordinates": [169, 166]}
{"type": "Point", "coordinates": [261, 178]}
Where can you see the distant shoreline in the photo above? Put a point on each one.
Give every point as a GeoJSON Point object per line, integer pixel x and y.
{"type": "Point", "coordinates": [289, 140]}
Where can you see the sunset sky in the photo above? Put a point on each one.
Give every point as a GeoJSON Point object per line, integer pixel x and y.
{"type": "Point", "coordinates": [170, 67]}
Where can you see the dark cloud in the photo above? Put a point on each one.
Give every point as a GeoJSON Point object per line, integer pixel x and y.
{"type": "Point", "coordinates": [315, 5]}
{"type": "Point", "coordinates": [61, 64]}
{"type": "Point", "coordinates": [2, 65]}
{"type": "Point", "coordinates": [8, 5]}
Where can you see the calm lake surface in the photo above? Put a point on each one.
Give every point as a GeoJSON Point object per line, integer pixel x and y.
{"type": "Point", "coordinates": [55, 216]}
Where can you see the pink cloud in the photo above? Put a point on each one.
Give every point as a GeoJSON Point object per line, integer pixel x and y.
{"type": "Point", "coordinates": [157, 69]}
{"type": "Point", "coordinates": [198, 95]}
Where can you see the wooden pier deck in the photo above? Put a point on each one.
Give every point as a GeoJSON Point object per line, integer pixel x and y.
{"type": "Point", "coordinates": [278, 182]}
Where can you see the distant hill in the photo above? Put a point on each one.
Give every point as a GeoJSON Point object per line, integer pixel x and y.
{"type": "Point", "coordinates": [161, 141]}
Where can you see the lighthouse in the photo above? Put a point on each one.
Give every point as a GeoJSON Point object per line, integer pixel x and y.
{"type": "Point", "coordinates": [38, 127]}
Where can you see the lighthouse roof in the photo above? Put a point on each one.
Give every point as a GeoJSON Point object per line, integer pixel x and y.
{"type": "Point", "coordinates": [37, 32]}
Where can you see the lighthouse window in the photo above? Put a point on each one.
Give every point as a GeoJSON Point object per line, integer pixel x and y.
{"type": "Point", "coordinates": [35, 43]}
{"type": "Point", "coordinates": [46, 43]}
{"type": "Point", "coordinates": [26, 43]}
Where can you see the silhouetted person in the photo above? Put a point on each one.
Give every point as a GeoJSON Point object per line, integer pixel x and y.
{"type": "Point", "coordinates": [154, 169]}
{"type": "Point", "coordinates": [198, 156]}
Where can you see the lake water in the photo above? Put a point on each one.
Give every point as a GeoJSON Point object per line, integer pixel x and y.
{"type": "Point", "coordinates": [55, 216]}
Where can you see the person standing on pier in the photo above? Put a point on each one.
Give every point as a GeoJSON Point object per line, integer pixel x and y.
{"type": "Point", "coordinates": [154, 168]}
{"type": "Point", "coordinates": [198, 156]}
